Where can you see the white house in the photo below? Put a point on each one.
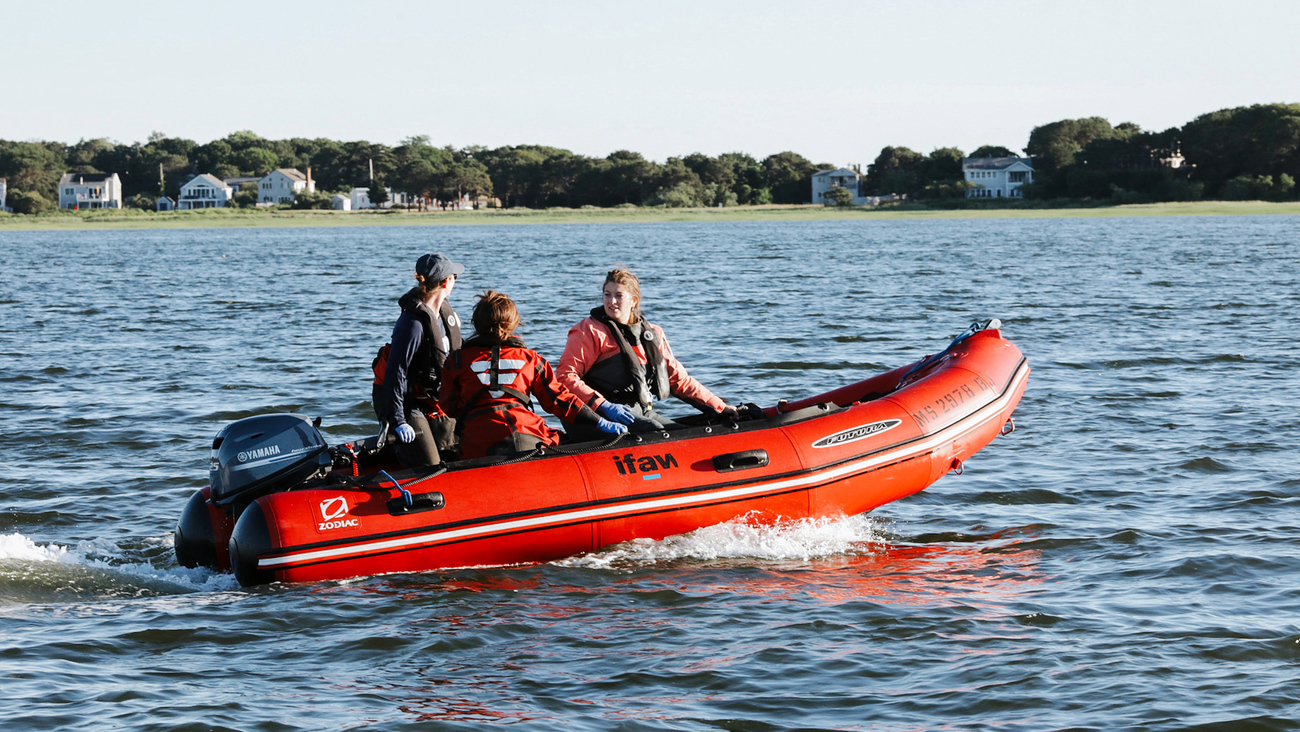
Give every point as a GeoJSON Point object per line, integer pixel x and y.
{"type": "Point", "coordinates": [204, 191]}
{"type": "Point", "coordinates": [825, 181]}
{"type": "Point", "coordinates": [281, 185]}
{"type": "Point", "coordinates": [360, 199]}
{"type": "Point", "coordinates": [996, 177]}
{"type": "Point", "coordinates": [4, 191]}
{"type": "Point", "coordinates": [165, 204]}
{"type": "Point", "coordinates": [90, 190]}
{"type": "Point", "coordinates": [341, 202]}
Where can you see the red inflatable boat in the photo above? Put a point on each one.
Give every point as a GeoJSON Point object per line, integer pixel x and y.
{"type": "Point", "coordinates": [284, 506]}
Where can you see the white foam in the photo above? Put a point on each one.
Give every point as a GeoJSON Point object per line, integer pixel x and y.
{"type": "Point", "coordinates": [803, 539]}
{"type": "Point", "coordinates": [19, 547]}
{"type": "Point", "coordinates": [105, 556]}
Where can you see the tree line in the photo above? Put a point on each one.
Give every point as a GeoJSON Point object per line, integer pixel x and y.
{"type": "Point", "coordinates": [533, 176]}
{"type": "Point", "coordinates": [1233, 154]}
{"type": "Point", "coordinates": [1241, 153]}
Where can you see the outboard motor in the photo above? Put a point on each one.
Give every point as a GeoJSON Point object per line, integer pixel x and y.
{"type": "Point", "coordinates": [251, 457]}
{"type": "Point", "coordinates": [260, 455]}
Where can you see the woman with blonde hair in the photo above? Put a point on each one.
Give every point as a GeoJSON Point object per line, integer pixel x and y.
{"type": "Point", "coordinates": [487, 386]}
{"type": "Point", "coordinates": [619, 364]}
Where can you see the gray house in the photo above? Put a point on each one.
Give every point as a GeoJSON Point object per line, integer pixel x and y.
{"type": "Point", "coordinates": [996, 177]}
{"type": "Point", "coordinates": [90, 190]}
{"type": "Point", "coordinates": [825, 181]}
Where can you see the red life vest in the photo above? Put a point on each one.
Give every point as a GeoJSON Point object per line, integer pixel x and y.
{"type": "Point", "coordinates": [486, 386]}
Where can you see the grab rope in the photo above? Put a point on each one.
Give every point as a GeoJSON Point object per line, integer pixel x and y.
{"type": "Point", "coordinates": [924, 363]}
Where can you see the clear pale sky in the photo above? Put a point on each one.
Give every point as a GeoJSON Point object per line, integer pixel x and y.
{"type": "Point", "coordinates": [834, 81]}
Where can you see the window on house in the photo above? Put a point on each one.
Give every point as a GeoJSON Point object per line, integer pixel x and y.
{"type": "Point", "coordinates": [1018, 176]}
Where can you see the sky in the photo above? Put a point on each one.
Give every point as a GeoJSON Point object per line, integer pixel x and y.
{"type": "Point", "coordinates": [833, 81]}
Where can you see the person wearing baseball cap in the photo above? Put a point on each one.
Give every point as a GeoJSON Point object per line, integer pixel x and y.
{"type": "Point", "coordinates": [406, 398]}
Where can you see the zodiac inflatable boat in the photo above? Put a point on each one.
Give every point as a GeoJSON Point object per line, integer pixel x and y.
{"type": "Point", "coordinates": [284, 506]}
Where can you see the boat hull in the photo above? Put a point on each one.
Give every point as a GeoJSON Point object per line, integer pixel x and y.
{"type": "Point", "coordinates": [836, 454]}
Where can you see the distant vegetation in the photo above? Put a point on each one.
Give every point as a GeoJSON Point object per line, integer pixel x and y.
{"type": "Point", "coordinates": [531, 176]}
{"type": "Point", "coordinates": [1244, 153]}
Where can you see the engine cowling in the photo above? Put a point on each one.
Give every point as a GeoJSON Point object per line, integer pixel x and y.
{"type": "Point", "coordinates": [259, 455]}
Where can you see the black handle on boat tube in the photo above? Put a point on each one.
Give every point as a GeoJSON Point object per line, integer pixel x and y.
{"type": "Point", "coordinates": [743, 460]}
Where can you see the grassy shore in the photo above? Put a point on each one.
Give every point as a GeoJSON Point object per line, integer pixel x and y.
{"type": "Point", "coordinates": [221, 218]}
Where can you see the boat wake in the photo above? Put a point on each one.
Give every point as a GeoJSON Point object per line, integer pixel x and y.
{"type": "Point", "coordinates": [796, 540]}
{"type": "Point", "coordinates": [33, 573]}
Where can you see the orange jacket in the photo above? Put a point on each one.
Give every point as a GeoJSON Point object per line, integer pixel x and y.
{"type": "Point", "coordinates": [591, 342]}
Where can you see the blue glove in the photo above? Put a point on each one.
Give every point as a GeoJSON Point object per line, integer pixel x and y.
{"type": "Point", "coordinates": [610, 428]}
{"type": "Point", "coordinates": [405, 433]}
{"type": "Point", "coordinates": [615, 413]}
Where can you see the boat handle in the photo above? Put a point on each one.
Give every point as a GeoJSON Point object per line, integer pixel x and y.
{"type": "Point", "coordinates": [743, 460]}
{"type": "Point", "coordinates": [1008, 427]}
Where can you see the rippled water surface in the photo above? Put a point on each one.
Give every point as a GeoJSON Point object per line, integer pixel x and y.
{"type": "Point", "coordinates": [1129, 558]}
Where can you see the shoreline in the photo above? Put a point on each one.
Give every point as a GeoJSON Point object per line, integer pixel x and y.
{"type": "Point", "coordinates": [244, 218]}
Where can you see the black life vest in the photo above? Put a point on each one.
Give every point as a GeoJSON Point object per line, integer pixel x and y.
{"type": "Point", "coordinates": [636, 382]}
{"type": "Point", "coordinates": [422, 377]}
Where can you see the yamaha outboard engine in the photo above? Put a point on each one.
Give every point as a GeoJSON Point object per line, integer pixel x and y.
{"type": "Point", "coordinates": [251, 457]}
{"type": "Point", "coordinates": [260, 455]}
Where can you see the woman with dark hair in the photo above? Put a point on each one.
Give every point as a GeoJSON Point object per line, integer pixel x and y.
{"type": "Point", "coordinates": [487, 385]}
{"type": "Point", "coordinates": [619, 364]}
{"type": "Point", "coordinates": [426, 331]}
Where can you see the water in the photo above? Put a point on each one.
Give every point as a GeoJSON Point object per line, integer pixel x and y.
{"type": "Point", "coordinates": [1126, 560]}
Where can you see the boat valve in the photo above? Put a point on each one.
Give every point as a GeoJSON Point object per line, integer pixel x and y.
{"type": "Point", "coordinates": [1008, 427]}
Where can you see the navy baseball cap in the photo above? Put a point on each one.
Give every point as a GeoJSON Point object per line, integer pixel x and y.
{"type": "Point", "coordinates": [437, 267]}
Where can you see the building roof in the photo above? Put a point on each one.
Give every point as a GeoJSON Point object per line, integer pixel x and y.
{"type": "Point", "coordinates": [291, 173]}
{"type": "Point", "coordinates": [209, 178]}
{"type": "Point", "coordinates": [80, 178]}
{"type": "Point", "coordinates": [837, 172]}
{"type": "Point", "coordinates": [994, 163]}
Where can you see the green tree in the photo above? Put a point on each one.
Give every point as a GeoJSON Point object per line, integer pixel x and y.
{"type": "Point", "coordinates": [255, 161]}
{"type": "Point", "coordinates": [378, 193]}
{"type": "Point", "coordinates": [468, 178]}
{"type": "Point", "coordinates": [1054, 146]}
{"type": "Point", "coordinates": [942, 166]}
{"type": "Point", "coordinates": [1259, 140]}
{"type": "Point", "coordinates": [680, 195]}
{"type": "Point", "coordinates": [514, 172]}
{"type": "Point", "coordinates": [839, 196]}
{"type": "Point", "coordinates": [142, 201]}
{"type": "Point", "coordinates": [29, 202]}
{"type": "Point", "coordinates": [305, 200]}
{"type": "Point", "coordinates": [31, 167]}
{"type": "Point", "coordinates": [244, 198]}
{"type": "Point", "coordinates": [895, 170]}
{"type": "Point", "coordinates": [788, 177]}
{"type": "Point", "coordinates": [992, 151]}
